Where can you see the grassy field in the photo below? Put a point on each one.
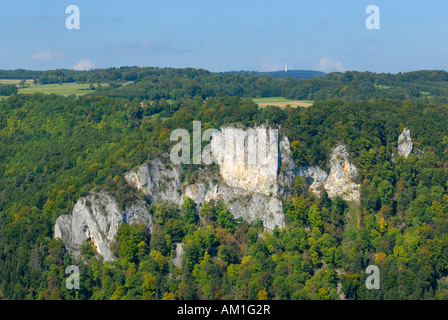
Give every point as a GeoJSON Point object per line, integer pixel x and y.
{"type": "Point", "coordinates": [62, 89]}
{"type": "Point", "coordinates": [282, 102]}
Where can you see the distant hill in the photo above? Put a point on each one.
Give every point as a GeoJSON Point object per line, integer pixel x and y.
{"type": "Point", "coordinates": [170, 83]}
{"type": "Point", "coordinates": [295, 74]}
{"type": "Point", "coordinates": [424, 85]}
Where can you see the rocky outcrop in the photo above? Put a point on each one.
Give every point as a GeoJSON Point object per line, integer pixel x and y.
{"type": "Point", "coordinates": [340, 181]}
{"type": "Point", "coordinates": [248, 159]}
{"type": "Point", "coordinates": [138, 213]}
{"type": "Point", "coordinates": [249, 188]}
{"type": "Point", "coordinates": [97, 217]}
{"type": "Point", "coordinates": [255, 173]}
{"type": "Point", "coordinates": [314, 175]}
{"type": "Point", "coordinates": [405, 144]}
{"type": "Point", "coordinates": [244, 204]}
{"type": "Point", "coordinates": [157, 181]}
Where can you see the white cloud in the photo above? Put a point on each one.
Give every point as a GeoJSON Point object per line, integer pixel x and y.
{"type": "Point", "coordinates": [330, 64]}
{"type": "Point", "coordinates": [83, 65]}
{"type": "Point", "coordinates": [46, 55]}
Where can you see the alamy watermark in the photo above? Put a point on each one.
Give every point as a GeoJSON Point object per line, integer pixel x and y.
{"type": "Point", "coordinates": [373, 280]}
{"type": "Point", "coordinates": [373, 20]}
{"type": "Point", "coordinates": [73, 20]}
{"type": "Point", "coordinates": [72, 282]}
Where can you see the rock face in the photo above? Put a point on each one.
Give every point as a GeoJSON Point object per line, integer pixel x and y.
{"type": "Point", "coordinates": [251, 189]}
{"type": "Point", "coordinates": [248, 185]}
{"type": "Point", "coordinates": [405, 144]}
{"type": "Point", "coordinates": [248, 159]}
{"type": "Point", "coordinates": [340, 181]}
{"type": "Point", "coordinates": [138, 213]}
{"type": "Point", "coordinates": [241, 203]}
{"type": "Point", "coordinates": [97, 217]}
{"type": "Point", "coordinates": [255, 173]}
{"type": "Point", "coordinates": [159, 183]}
{"type": "Point", "coordinates": [314, 175]}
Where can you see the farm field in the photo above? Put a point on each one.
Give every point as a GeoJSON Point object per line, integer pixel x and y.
{"type": "Point", "coordinates": [282, 102]}
{"type": "Point", "coordinates": [61, 89]}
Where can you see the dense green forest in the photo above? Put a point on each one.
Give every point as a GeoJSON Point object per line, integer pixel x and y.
{"type": "Point", "coordinates": [425, 86]}
{"type": "Point", "coordinates": [55, 149]}
{"type": "Point", "coordinates": [168, 83]}
{"type": "Point", "coordinates": [130, 74]}
{"type": "Point", "coordinates": [8, 89]}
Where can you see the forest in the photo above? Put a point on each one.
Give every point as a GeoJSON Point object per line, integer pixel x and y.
{"type": "Point", "coordinates": [169, 83]}
{"type": "Point", "coordinates": [130, 74]}
{"type": "Point", "coordinates": [56, 149]}
{"type": "Point", "coordinates": [425, 86]}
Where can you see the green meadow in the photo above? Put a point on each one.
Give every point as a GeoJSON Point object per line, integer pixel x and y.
{"type": "Point", "coordinates": [282, 102]}
{"type": "Point", "coordinates": [64, 89]}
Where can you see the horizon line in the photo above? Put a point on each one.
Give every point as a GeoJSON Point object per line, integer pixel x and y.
{"type": "Point", "coordinates": [229, 71]}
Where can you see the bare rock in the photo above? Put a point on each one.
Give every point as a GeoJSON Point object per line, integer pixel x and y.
{"type": "Point", "coordinates": [248, 159]}
{"type": "Point", "coordinates": [405, 144]}
{"type": "Point", "coordinates": [340, 181]}
{"type": "Point", "coordinates": [97, 218]}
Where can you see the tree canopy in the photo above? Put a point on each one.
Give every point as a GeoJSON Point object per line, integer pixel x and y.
{"type": "Point", "coordinates": [56, 149]}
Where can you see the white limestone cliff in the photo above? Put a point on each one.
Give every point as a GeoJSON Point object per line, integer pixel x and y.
{"type": "Point", "coordinates": [158, 182]}
{"type": "Point", "coordinates": [251, 190]}
{"type": "Point", "coordinates": [97, 217]}
{"type": "Point", "coordinates": [248, 159]}
{"type": "Point", "coordinates": [341, 180]}
{"type": "Point", "coordinates": [405, 144]}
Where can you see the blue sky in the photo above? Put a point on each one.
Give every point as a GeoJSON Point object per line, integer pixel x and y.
{"type": "Point", "coordinates": [217, 35]}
